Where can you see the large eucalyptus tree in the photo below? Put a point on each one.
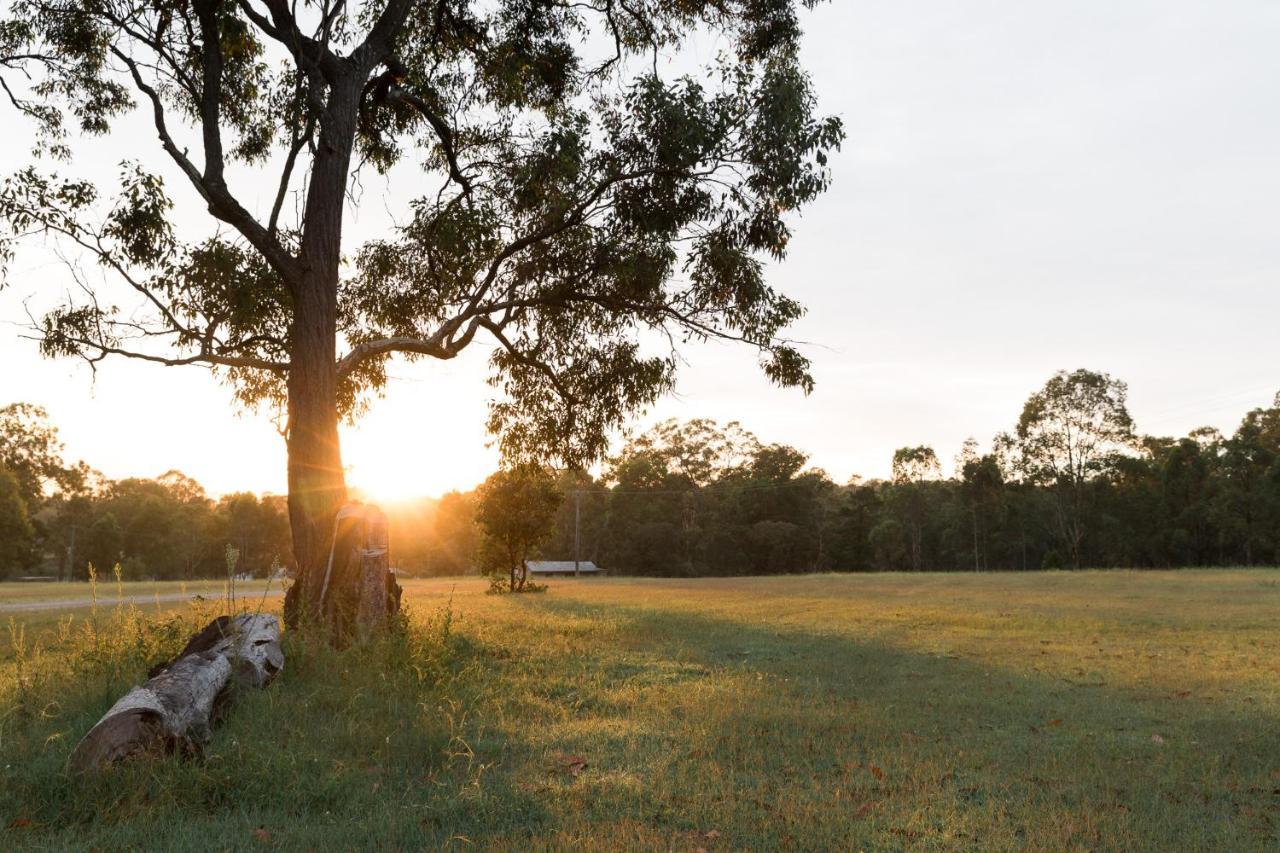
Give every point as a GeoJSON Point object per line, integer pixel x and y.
{"type": "Point", "coordinates": [579, 207]}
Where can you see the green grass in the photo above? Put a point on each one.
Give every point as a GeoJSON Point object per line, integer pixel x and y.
{"type": "Point", "coordinates": [1092, 710]}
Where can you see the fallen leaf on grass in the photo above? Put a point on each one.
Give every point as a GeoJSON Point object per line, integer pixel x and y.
{"type": "Point", "coordinates": [570, 764]}
{"type": "Point", "coordinates": [261, 834]}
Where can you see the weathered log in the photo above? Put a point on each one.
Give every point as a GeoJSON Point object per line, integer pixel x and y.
{"type": "Point", "coordinates": [175, 708]}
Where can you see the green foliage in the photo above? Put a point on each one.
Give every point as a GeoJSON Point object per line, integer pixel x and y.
{"type": "Point", "coordinates": [17, 536]}
{"type": "Point", "coordinates": [32, 453]}
{"type": "Point", "coordinates": [515, 509]}
{"type": "Point", "coordinates": [164, 528]}
{"type": "Point", "coordinates": [668, 508]}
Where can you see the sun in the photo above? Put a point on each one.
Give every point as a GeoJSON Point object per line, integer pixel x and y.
{"type": "Point", "coordinates": [392, 467]}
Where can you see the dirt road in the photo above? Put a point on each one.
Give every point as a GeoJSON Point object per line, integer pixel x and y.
{"type": "Point", "coordinates": [111, 601]}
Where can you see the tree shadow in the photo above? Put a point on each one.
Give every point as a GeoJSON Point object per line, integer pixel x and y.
{"type": "Point", "coordinates": [800, 738]}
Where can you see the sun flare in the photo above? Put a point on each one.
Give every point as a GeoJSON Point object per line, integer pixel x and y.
{"type": "Point", "coordinates": [391, 460]}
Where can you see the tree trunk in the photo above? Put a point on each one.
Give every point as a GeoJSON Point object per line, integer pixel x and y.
{"type": "Point", "coordinates": [977, 563]}
{"type": "Point", "coordinates": [317, 488]}
{"type": "Point", "coordinates": [175, 709]}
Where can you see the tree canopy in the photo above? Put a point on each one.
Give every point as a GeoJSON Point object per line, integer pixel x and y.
{"type": "Point", "coordinates": [573, 196]}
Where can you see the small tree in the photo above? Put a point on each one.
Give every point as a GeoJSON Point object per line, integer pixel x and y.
{"type": "Point", "coordinates": [516, 509]}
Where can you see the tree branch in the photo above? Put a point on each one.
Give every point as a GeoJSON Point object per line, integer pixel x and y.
{"type": "Point", "coordinates": [529, 361]}
{"type": "Point", "coordinates": [443, 132]}
{"type": "Point", "coordinates": [378, 43]}
{"type": "Point", "coordinates": [221, 203]}
{"type": "Point", "coordinates": [310, 54]}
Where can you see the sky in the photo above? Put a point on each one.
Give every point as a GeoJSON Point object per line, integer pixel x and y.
{"type": "Point", "coordinates": [1026, 187]}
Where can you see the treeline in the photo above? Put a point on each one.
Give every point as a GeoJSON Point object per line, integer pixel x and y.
{"type": "Point", "coordinates": [57, 518]}
{"type": "Point", "coordinates": [1071, 484]}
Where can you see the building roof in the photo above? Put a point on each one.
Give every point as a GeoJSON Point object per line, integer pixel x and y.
{"type": "Point", "coordinates": [549, 567]}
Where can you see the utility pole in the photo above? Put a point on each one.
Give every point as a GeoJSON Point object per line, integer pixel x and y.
{"type": "Point", "coordinates": [577, 528]}
{"type": "Point", "coordinates": [71, 557]}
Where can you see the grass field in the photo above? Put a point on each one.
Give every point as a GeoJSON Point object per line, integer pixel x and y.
{"type": "Point", "coordinates": [1091, 710]}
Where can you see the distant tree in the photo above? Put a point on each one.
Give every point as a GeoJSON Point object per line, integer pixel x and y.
{"type": "Point", "coordinates": [1249, 502]}
{"type": "Point", "coordinates": [775, 493]}
{"type": "Point", "coordinates": [17, 536]}
{"type": "Point", "coordinates": [699, 451]}
{"type": "Point", "coordinates": [257, 528]}
{"type": "Point", "coordinates": [516, 510]}
{"type": "Point", "coordinates": [1188, 472]}
{"type": "Point", "coordinates": [913, 468]}
{"type": "Point", "coordinates": [854, 511]}
{"type": "Point", "coordinates": [584, 512]}
{"type": "Point", "coordinates": [161, 528]}
{"type": "Point", "coordinates": [889, 544]}
{"type": "Point", "coordinates": [31, 451]}
{"type": "Point", "coordinates": [1071, 432]}
{"type": "Point", "coordinates": [776, 547]}
{"type": "Point", "coordinates": [414, 546]}
{"type": "Point", "coordinates": [981, 490]}
{"type": "Point", "coordinates": [574, 200]}
{"type": "Point", "coordinates": [654, 513]}
{"type": "Point", "coordinates": [103, 545]}
{"type": "Point", "coordinates": [457, 534]}
{"type": "Point", "coordinates": [69, 515]}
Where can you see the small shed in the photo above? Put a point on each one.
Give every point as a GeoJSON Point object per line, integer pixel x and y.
{"type": "Point", "coordinates": [562, 568]}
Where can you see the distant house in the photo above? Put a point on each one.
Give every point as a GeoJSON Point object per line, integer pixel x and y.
{"type": "Point", "coordinates": [562, 568]}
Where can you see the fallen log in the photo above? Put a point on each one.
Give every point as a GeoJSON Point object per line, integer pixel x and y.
{"type": "Point", "coordinates": [174, 710]}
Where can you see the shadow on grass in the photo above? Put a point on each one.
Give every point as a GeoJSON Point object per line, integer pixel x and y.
{"type": "Point", "coordinates": [697, 731]}
{"type": "Point", "coordinates": [819, 739]}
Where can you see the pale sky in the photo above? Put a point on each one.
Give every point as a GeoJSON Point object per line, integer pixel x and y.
{"type": "Point", "coordinates": [1026, 187]}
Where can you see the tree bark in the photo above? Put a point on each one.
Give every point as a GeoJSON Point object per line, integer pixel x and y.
{"type": "Point", "coordinates": [175, 709]}
{"type": "Point", "coordinates": [317, 488]}
{"type": "Point", "coordinates": [358, 592]}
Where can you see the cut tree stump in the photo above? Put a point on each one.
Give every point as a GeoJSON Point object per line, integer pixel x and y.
{"type": "Point", "coordinates": [359, 593]}
{"type": "Point", "coordinates": [174, 710]}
